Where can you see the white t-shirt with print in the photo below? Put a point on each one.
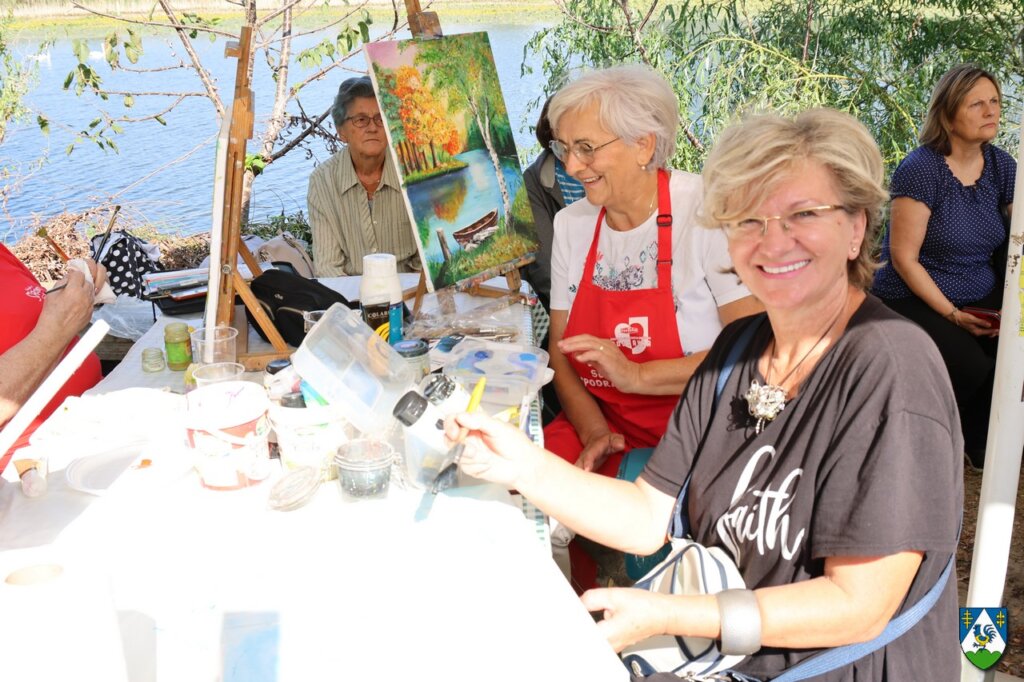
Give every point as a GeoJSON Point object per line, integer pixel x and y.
{"type": "Point", "coordinates": [628, 260]}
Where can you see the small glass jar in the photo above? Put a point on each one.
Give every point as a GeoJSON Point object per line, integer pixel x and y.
{"type": "Point", "coordinates": [415, 352]}
{"type": "Point", "coordinates": [152, 360]}
{"type": "Point", "coordinates": [178, 345]}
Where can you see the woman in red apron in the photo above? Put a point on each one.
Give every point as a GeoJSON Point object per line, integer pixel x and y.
{"type": "Point", "coordinates": [618, 350]}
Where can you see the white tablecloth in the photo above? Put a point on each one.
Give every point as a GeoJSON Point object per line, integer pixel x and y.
{"type": "Point", "coordinates": [205, 585]}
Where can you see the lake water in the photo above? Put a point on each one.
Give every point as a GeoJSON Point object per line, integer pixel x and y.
{"type": "Point", "coordinates": [456, 200]}
{"type": "Point", "coordinates": [164, 174]}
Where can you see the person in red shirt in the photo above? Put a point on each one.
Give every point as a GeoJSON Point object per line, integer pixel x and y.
{"type": "Point", "coordinates": [36, 330]}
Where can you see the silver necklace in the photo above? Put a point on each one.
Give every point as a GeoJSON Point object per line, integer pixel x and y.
{"type": "Point", "coordinates": [764, 403]}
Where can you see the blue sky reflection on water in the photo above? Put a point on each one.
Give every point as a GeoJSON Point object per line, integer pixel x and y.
{"type": "Point", "coordinates": [146, 176]}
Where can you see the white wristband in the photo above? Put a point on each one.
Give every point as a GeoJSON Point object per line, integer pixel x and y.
{"type": "Point", "coordinates": [741, 622]}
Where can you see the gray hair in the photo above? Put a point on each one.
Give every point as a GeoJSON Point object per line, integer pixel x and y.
{"type": "Point", "coordinates": [349, 90]}
{"type": "Point", "coordinates": [632, 100]}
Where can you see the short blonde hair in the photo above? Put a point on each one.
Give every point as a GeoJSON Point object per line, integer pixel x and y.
{"type": "Point", "coordinates": [947, 97]}
{"type": "Point", "coordinates": [632, 101]}
{"type": "Point", "coordinates": [752, 158]}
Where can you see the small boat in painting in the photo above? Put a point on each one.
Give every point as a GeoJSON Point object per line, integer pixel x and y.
{"type": "Point", "coordinates": [473, 235]}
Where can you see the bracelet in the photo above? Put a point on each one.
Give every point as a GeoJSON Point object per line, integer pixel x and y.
{"type": "Point", "coordinates": [951, 315]}
{"type": "Point", "coordinates": [741, 622]}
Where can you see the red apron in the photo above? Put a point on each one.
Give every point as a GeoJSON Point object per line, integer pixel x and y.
{"type": "Point", "coordinates": [642, 322]}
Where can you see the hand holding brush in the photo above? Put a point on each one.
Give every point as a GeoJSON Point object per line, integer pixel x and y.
{"type": "Point", "coordinates": [448, 475]}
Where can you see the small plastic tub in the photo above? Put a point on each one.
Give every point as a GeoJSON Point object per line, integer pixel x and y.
{"type": "Point", "coordinates": [514, 371]}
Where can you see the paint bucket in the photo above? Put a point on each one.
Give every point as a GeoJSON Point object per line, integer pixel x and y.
{"type": "Point", "coordinates": [227, 430]}
{"type": "Point", "coordinates": [309, 436]}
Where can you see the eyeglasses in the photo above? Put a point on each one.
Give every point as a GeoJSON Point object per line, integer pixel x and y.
{"type": "Point", "coordinates": [582, 150]}
{"type": "Point", "coordinates": [800, 220]}
{"type": "Point", "coordinates": [362, 120]}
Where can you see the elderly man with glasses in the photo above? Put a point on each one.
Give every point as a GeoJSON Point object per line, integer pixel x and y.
{"type": "Point", "coordinates": [355, 197]}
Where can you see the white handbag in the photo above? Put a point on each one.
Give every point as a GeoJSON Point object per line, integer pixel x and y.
{"type": "Point", "coordinates": [690, 568]}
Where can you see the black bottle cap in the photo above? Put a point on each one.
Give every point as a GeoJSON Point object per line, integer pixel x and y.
{"type": "Point", "coordinates": [410, 408]}
{"type": "Point", "coordinates": [292, 400]}
{"type": "Point", "coordinates": [275, 366]}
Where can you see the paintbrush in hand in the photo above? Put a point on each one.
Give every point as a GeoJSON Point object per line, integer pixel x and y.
{"type": "Point", "coordinates": [447, 477]}
{"type": "Point", "coordinates": [41, 232]}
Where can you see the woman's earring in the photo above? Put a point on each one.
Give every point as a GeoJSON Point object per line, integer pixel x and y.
{"type": "Point", "coordinates": [854, 249]}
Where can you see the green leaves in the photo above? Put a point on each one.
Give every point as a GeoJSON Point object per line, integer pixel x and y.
{"type": "Point", "coordinates": [255, 163]}
{"type": "Point", "coordinates": [196, 21]}
{"type": "Point", "coordinates": [133, 48]}
{"type": "Point", "coordinates": [878, 59]}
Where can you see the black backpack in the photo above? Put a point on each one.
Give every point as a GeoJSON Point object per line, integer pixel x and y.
{"type": "Point", "coordinates": [284, 296]}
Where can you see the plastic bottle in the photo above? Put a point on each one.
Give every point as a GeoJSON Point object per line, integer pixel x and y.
{"type": "Point", "coordinates": [426, 449]}
{"type": "Point", "coordinates": [380, 295]}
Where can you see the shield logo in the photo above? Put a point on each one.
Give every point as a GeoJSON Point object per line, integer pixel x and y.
{"type": "Point", "coordinates": [983, 634]}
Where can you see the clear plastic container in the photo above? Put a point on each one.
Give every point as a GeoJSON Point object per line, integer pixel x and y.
{"type": "Point", "coordinates": [354, 370]}
{"type": "Point", "coordinates": [364, 468]}
{"type": "Point", "coordinates": [514, 371]}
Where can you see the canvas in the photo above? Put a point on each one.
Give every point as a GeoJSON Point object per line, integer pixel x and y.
{"type": "Point", "coordinates": [448, 127]}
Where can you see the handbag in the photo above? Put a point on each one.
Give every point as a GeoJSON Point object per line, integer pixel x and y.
{"type": "Point", "coordinates": [692, 568]}
{"type": "Point", "coordinates": [284, 296]}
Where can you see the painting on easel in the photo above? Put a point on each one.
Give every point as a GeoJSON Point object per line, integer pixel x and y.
{"type": "Point", "coordinates": [449, 129]}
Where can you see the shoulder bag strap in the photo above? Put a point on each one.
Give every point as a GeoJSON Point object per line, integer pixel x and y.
{"type": "Point", "coordinates": [680, 525]}
{"type": "Point", "coordinates": [829, 660]}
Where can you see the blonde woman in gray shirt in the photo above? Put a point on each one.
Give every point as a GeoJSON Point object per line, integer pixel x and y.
{"type": "Point", "coordinates": [355, 197]}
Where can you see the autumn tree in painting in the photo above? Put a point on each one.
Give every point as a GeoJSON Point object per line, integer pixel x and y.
{"type": "Point", "coordinates": [461, 68]}
{"type": "Point", "coordinates": [423, 118]}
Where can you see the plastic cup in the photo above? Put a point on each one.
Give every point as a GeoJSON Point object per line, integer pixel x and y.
{"type": "Point", "coordinates": [310, 318]}
{"type": "Point", "coordinates": [214, 344]}
{"type": "Point", "coordinates": [364, 468]}
{"type": "Point", "coordinates": [217, 372]}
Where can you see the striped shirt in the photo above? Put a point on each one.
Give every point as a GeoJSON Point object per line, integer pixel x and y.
{"type": "Point", "coordinates": [345, 227]}
{"type": "Point", "coordinates": [572, 189]}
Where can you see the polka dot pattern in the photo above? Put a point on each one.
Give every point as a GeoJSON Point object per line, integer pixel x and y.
{"type": "Point", "coordinates": [964, 229]}
{"type": "Point", "coordinates": [126, 263]}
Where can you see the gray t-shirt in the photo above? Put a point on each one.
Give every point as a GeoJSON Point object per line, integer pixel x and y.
{"type": "Point", "coordinates": [865, 461]}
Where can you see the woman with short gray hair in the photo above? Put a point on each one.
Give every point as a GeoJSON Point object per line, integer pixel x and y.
{"type": "Point", "coordinates": [638, 291]}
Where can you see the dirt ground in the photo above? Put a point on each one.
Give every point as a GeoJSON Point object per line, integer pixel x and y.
{"type": "Point", "coordinates": [1012, 662]}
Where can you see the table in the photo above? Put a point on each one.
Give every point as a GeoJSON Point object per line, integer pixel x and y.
{"type": "Point", "coordinates": [206, 585]}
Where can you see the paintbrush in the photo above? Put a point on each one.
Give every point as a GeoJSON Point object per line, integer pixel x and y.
{"type": "Point", "coordinates": [106, 234]}
{"type": "Point", "coordinates": [446, 478]}
{"type": "Point", "coordinates": [41, 232]}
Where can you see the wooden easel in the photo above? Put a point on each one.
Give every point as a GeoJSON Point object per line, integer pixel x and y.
{"type": "Point", "coordinates": [231, 282]}
{"type": "Point", "coordinates": [424, 26]}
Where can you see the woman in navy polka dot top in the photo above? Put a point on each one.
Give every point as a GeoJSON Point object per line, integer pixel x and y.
{"type": "Point", "coordinates": [946, 223]}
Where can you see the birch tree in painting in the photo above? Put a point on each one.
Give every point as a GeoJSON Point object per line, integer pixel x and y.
{"type": "Point", "coordinates": [461, 67]}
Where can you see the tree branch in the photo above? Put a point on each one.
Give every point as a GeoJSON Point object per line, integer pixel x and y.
{"type": "Point", "coordinates": [807, 30]}
{"type": "Point", "coordinates": [149, 117]}
{"type": "Point", "coordinates": [633, 33]}
{"type": "Point", "coordinates": [281, 91]}
{"type": "Point", "coordinates": [279, 11]}
{"type": "Point", "coordinates": [208, 85]}
{"type": "Point", "coordinates": [575, 19]}
{"type": "Point", "coordinates": [142, 22]}
{"type": "Point", "coordinates": [121, 93]}
{"type": "Point", "coordinates": [292, 144]}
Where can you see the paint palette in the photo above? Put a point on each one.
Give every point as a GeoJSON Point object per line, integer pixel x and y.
{"type": "Point", "coordinates": [513, 371]}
